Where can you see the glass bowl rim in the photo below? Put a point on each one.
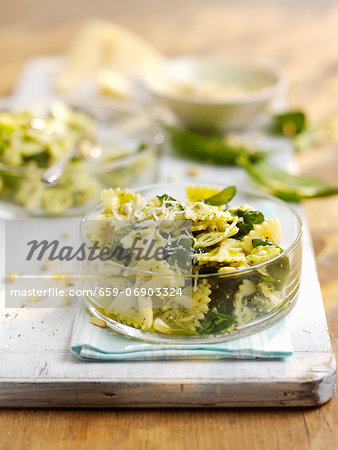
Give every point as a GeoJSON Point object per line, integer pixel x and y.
{"type": "Point", "coordinates": [230, 274]}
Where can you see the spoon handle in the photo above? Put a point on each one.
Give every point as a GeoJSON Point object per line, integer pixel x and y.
{"type": "Point", "coordinates": [52, 175]}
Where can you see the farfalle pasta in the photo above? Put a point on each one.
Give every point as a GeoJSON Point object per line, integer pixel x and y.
{"type": "Point", "coordinates": [222, 243]}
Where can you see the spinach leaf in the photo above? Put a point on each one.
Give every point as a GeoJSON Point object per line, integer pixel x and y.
{"type": "Point", "coordinates": [6, 128]}
{"type": "Point", "coordinates": [251, 216]}
{"type": "Point", "coordinates": [180, 254]}
{"type": "Point", "coordinates": [280, 183]}
{"type": "Point", "coordinates": [289, 123]}
{"type": "Point", "coordinates": [264, 242]}
{"type": "Point", "coordinates": [249, 219]}
{"type": "Point", "coordinates": [214, 148]}
{"type": "Point", "coordinates": [215, 322]}
{"type": "Point", "coordinates": [206, 269]}
{"type": "Point", "coordinates": [258, 277]}
{"type": "Point", "coordinates": [223, 291]}
{"type": "Point", "coordinates": [142, 146]}
{"type": "Point", "coordinates": [223, 197]}
{"type": "Point", "coordinates": [13, 181]}
{"type": "Point", "coordinates": [256, 301]}
{"type": "Point", "coordinates": [279, 271]}
{"type": "Point", "coordinates": [211, 147]}
{"type": "Point", "coordinates": [117, 252]}
{"type": "Point", "coordinates": [259, 242]}
{"type": "Point", "coordinates": [42, 159]}
{"type": "Point", "coordinates": [198, 250]}
{"type": "Point", "coordinates": [266, 278]}
{"type": "Point", "coordinates": [166, 198]}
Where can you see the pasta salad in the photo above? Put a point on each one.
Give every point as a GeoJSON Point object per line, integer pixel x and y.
{"type": "Point", "coordinates": [236, 272]}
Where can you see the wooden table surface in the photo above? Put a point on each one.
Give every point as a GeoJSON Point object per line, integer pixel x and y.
{"type": "Point", "coordinates": [302, 36]}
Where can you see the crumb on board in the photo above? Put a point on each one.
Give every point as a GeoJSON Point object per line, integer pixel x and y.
{"type": "Point", "coordinates": [11, 277]}
{"type": "Point", "coordinates": [33, 298]}
{"type": "Point", "coordinates": [172, 177]}
{"type": "Point", "coordinates": [66, 234]}
{"type": "Point", "coordinates": [98, 322]}
{"type": "Point", "coordinates": [57, 276]}
{"type": "Point", "coordinates": [64, 279]}
{"type": "Point", "coordinates": [194, 171]}
{"type": "Point", "coordinates": [66, 299]}
{"type": "Point", "coordinates": [46, 265]}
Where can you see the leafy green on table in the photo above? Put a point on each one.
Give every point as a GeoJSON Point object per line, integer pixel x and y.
{"type": "Point", "coordinates": [223, 197]}
{"type": "Point", "coordinates": [210, 147]}
{"type": "Point", "coordinates": [289, 123]}
{"type": "Point", "coordinates": [294, 125]}
{"type": "Point", "coordinates": [269, 178]}
{"type": "Point", "coordinates": [291, 188]}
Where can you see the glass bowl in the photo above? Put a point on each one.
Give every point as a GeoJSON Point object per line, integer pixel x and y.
{"type": "Point", "coordinates": [129, 158]}
{"type": "Point", "coordinates": [284, 271]}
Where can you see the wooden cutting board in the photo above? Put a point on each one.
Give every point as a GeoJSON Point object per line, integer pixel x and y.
{"type": "Point", "coordinates": [38, 370]}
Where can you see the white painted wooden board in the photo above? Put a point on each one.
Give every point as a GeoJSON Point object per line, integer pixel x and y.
{"type": "Point", "coordinates": [37, 369]}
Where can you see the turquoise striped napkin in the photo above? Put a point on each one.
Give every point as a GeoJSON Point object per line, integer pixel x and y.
{"type": "Point", "coordinates": [92, 343]}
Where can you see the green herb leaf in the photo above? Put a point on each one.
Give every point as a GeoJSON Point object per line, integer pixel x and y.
{"type": "Point", "coordinates": [13, 181]}
{"type": "Point", "coordinates": [166, 198]}
{"type": "Point", "coordinates": [180, 252]}
{"type": "Point", "coordinates": [250, 218]}
{"type": "Point", "coordinates": [6, 128]}
{"type": "Point", "coordinates": [209, 147]}
{"type": "Point", "coordinates": [267, 278]}
{"type": "Point", "coordinates": [256, 301]}
{"type": "Point", "coordinates": [223, 197]}
{"type": "Point", "coordinates": [215, 323]}
{"type": "Point", "coordinates": [258, 242]}
{"type": "Point", "coordinates": [142, 146]}
{"type": "Point", "coordinates": [290, 123]}
{"type": "Point", "coordinates": [279, 271]}
{"type": "Point", "coordinates": [292, 188]}
{"type": "Point", "coordinates": [42, 159]}
{"type": "Point", "coordinates": [117, 252]}
{"type": "Point", "coordinates": [271, 179]}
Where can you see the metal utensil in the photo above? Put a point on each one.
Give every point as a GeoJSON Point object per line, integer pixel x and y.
{"type": "Point", "coordinates": [83, 148]}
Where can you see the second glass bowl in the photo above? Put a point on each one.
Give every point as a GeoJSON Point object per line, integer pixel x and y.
{"type": "Point", "coordinates": [129, 158]}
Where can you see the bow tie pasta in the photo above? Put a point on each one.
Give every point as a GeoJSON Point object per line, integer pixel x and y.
{"type": "Point", "coordinates": [235, 273]}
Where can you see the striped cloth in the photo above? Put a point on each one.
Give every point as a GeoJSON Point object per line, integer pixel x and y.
{"type": "Point", "coordinates": [92, 343]}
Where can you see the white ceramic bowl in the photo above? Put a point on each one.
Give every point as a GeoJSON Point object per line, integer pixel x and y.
{"type": "Point", "coordinates": [245, 89]}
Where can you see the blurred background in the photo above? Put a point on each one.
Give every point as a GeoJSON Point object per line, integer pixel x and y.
{"type": "Point", "coordinates": [300, 35]}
